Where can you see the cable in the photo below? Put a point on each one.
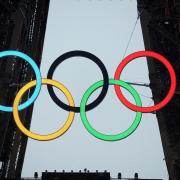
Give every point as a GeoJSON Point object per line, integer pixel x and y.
{"type": "Point", "coordinates": [139, 84]}
{"type": "Point", "coordinates": [149, 97]}
{"type": "Point", "coordinates": [139, 13]}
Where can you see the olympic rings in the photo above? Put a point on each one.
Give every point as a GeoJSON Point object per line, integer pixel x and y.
{"type": "Point", "coordinates": [35, 136]}
{"type": "Point", "coordinates": [38, 78]}
{"type": "Point", "coordinates": [157, 57]}
{"type": "Point", "coordinates": [83, 107]}
{"type": "Point", "coordinates": [99, 135]}
{"type": "Point", "coordinates": [90, 56]}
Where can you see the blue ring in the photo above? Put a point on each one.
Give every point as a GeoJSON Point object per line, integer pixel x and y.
{"type": "Point", "coordinates": [38, 79]}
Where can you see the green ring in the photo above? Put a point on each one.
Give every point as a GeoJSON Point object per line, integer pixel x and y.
{"type": "Point", "coordinates": [99, 135]}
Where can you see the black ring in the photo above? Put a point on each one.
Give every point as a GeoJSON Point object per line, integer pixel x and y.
{"type": "Point", "coordinates": [90, 56]}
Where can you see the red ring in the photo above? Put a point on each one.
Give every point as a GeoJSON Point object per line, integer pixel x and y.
{"type": "Point", "coordinates": [170, 69]}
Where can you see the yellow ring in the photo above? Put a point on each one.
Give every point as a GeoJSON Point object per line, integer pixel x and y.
{"type": "Point", "coordinates": [35, 136]}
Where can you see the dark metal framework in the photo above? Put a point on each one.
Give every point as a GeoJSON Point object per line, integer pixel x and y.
{"type": "Point", "coordinates": [22, 27]}
{"type": "Point", "coordinates": [160, 21]}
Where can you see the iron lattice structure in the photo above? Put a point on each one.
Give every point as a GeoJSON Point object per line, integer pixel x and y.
{"type": "Point", "coordinates": [22, 27]}
{"type": "Point", "coordinates": [160, 21]}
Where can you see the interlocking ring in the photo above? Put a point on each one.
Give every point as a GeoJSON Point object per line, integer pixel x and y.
{"type": "Point", "coordinates": [83, 107]}
{"type": "Point", "coordinates": [87, 55]}
{"type": "Point", "coordinates": [102, 136]}
{"type": "Point", "coordinates": [38, 78]}
{"type": "Point", "coordinates": [35, 136]}
{"type": "Point", "coordinates": [158, 57]}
